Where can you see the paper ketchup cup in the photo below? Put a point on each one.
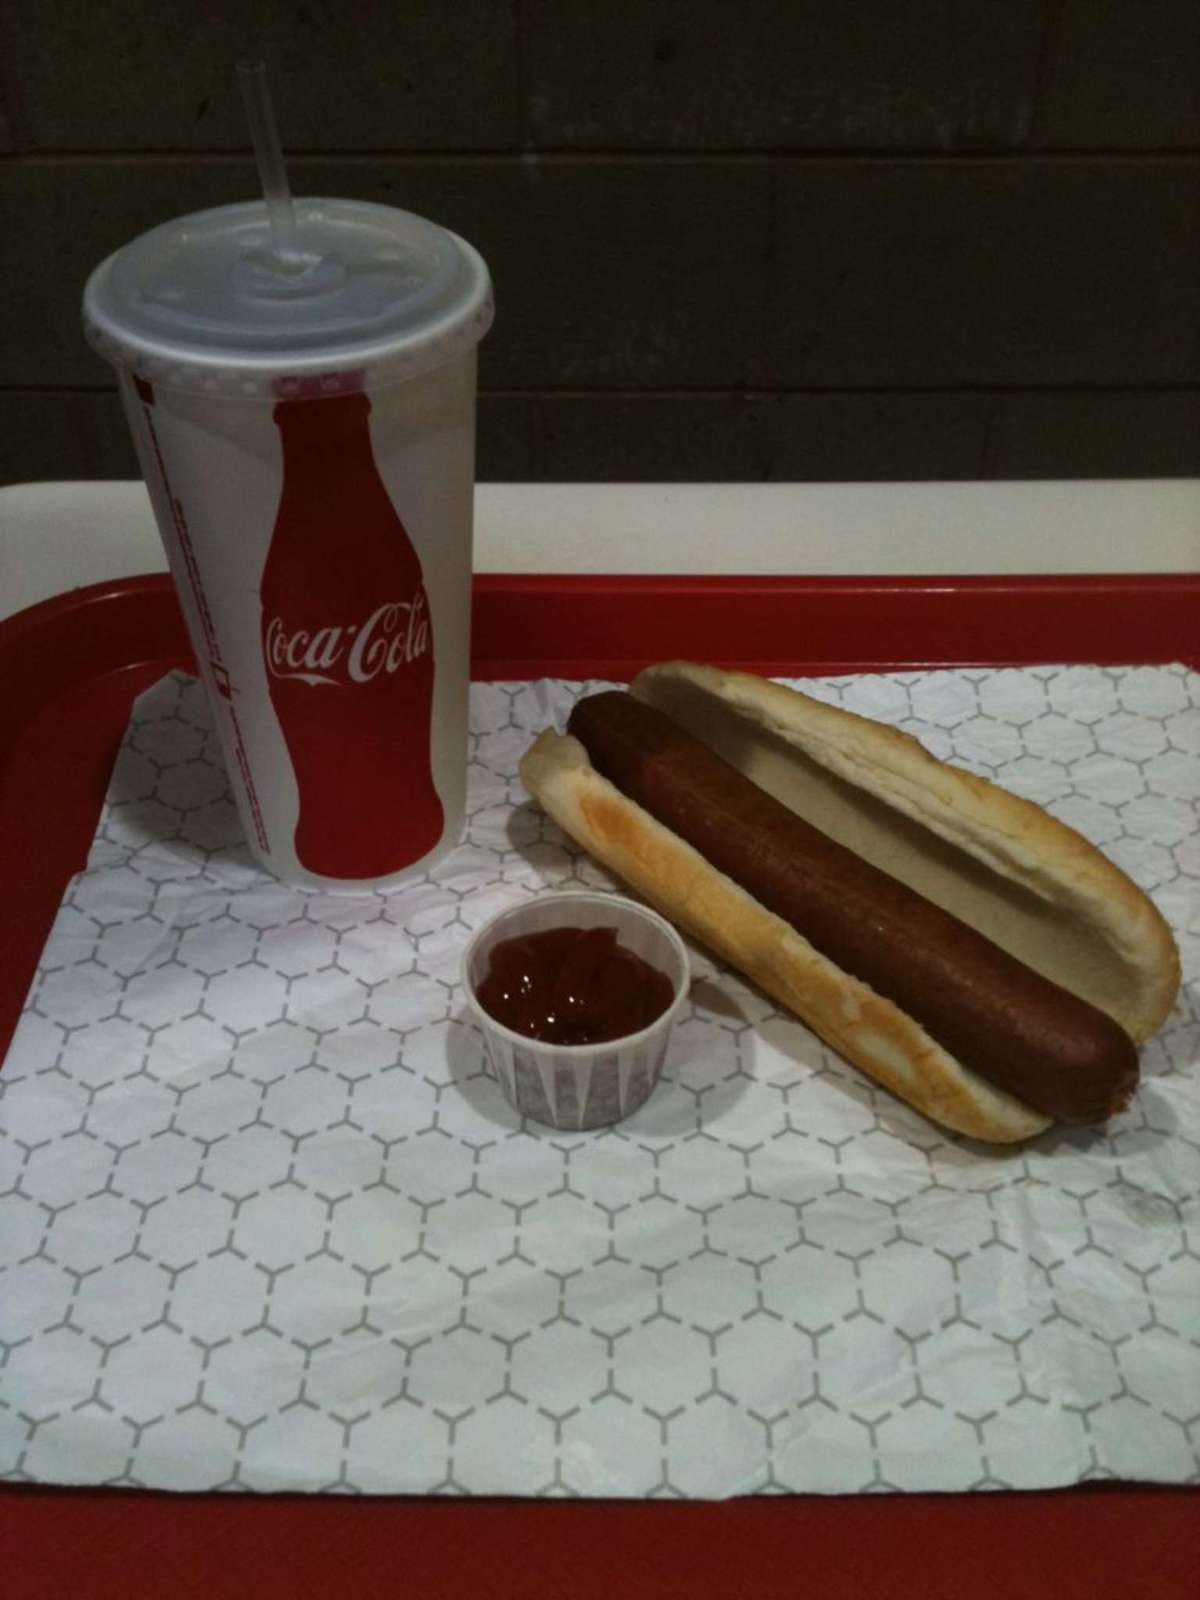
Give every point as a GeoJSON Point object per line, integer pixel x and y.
{"type": "Point", "coordinates": [588, 1085]}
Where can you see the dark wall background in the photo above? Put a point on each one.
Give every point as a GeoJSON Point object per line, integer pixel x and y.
{"type": "Point", "coordinates": [821, 239]}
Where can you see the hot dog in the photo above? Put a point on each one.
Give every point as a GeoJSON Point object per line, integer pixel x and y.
{"type": "Point", "coordinates": [980, 959]}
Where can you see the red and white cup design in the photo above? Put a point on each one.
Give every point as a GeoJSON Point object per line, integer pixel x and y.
{"type": "Point", "coordinates": [306, 428]}
{"type": "Point", "coordinates": [321, 544]}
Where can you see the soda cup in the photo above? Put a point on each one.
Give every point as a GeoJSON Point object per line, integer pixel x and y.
{"type": "Point", "coordinates": [306, 429]}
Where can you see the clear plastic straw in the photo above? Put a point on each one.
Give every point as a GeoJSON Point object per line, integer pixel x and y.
{"type": "Point", "coordinates": [264, 136]}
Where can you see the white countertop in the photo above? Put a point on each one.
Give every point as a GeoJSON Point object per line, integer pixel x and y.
{"type": "Point", "coordinates": [57, 536]}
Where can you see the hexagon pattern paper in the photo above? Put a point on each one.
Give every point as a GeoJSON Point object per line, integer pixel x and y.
{"type": "Point", "coordinates": [266, 1222]}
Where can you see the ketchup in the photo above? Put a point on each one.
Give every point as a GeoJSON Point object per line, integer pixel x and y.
{"type": "Point", "coordinates": [572, 986]}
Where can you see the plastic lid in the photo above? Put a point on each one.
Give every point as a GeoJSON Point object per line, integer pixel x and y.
{"type": "Point", "coordinates": [201, 303]}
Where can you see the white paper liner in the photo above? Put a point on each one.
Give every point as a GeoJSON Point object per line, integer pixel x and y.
{"type": "Point", "coordinates": [268, 1223]}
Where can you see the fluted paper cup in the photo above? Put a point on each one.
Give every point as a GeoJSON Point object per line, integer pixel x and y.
{"type": "Point", "coordinates": [582, 1085]}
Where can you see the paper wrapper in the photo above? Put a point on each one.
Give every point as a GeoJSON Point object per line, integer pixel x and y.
{"type": "Point", "coordinates": [268, 1223]}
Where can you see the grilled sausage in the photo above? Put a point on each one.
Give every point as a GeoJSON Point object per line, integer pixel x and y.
{"type": "Point", "coordinates": [994, 1014]}
{"type": "Point", "coordinates": [974, 955]}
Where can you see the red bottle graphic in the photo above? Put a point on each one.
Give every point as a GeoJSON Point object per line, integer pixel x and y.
{"type": "Point", "coordinates": [349, 649]}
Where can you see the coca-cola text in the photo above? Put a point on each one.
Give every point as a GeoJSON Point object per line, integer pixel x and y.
{"type": "Point", "coordinates": [394, 635]}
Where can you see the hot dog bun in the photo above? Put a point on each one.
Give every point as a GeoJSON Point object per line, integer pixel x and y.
{"type": "Point", "coordinates": [998, 863]}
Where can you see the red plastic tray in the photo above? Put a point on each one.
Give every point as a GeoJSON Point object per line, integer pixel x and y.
{"type": "Point", "coordinates": [71, 668]}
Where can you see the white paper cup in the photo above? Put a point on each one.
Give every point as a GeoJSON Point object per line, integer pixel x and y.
{"type": "Point", "coordinates": [307, 438]}
{"type": "Point", "coordinates": [582, 1085]}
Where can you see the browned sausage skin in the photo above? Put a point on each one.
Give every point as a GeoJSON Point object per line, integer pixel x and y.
{"type": "Point", "coordinates": [992, 1013]}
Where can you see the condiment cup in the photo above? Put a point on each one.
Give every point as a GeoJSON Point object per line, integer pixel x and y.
{"type": "Point", "coordinates": [582, 1085]}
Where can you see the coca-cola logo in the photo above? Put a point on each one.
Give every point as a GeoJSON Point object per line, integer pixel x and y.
{"type": "Point", "coordinates": [395, 634]}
